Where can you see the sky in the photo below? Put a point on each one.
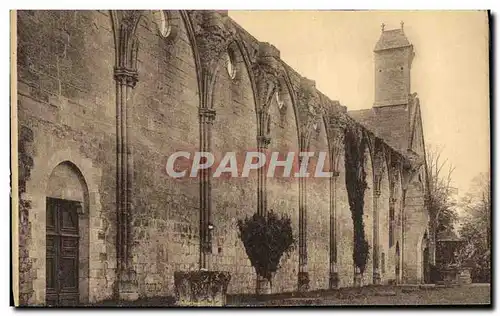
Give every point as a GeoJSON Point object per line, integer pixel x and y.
{"type": "Point", "coordinates": [449, 73]}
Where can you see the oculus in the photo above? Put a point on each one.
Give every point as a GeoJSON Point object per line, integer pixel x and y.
{"type": "Point", "coordinates": [230, 67]}
{"type": "Point", "coordinates": [163, 22]}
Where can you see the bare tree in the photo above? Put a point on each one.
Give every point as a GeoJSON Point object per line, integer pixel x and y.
{"type": "Point", "coordinates": [440, 202]}
{"type": "Point", "coordinates": [476, 225]}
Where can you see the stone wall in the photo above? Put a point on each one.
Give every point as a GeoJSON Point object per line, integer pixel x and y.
{"type": "Point", "coordinates": [368, 217]}
{"type": "Point", "coordinates": [318, 214]}
{"type": "Point", "coordinates": [392, 76]}
{"type": "Point", "coordinates": [164, 120]}
{"type": "Point", "coordinates": [67, 113]}
{"type": "Point", "coordinates": [233, 198]}
{"type": "Point", "coordinates": [283, 192]}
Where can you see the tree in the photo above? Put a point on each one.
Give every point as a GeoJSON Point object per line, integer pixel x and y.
{"type": "Point", "coordinates": [476, 226]}
{"type": "Point", "coordinates": [440, 202]}
{"type": "Point", "coordinates": [266, 238]}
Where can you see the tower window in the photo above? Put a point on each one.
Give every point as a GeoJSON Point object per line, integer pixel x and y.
{"type": "Point", "coordinates": [401, 68]}
{"type": "Point", "coordinates": [380, 70]}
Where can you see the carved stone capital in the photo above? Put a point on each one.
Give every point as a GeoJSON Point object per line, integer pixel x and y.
{"type": "Point", "coordinates": [207, 115]}
{"type": "Point", "coordinates": [213, 34]}
{"type": "Point", "coordinates": [263, 141]}
{"type": "Point", "coordinates": [125, 76]}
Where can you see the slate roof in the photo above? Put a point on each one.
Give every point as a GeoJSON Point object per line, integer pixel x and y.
{"type": "Point", "coordinates": [448, 235]}
{"type": "Point", "coordinates": [390, 123]}
{"type": "Point", "coordinates": [392, 39]}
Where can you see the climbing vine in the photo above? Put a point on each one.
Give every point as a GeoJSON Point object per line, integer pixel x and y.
{"type": "Point", "coordinates": [356, 185]}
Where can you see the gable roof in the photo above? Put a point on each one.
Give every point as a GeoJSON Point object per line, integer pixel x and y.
{"type": "Point", "coordinates": [392, 39]}
{"type": "Point", "coordinates": [390, 123]}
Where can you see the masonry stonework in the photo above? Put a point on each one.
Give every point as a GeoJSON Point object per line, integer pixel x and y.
{"type": "Point", "coordinates": [105, 97]}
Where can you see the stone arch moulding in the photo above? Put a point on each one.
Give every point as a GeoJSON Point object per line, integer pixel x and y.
{"type": "Point", "coordinates": [194, 48]}
{"type": "Point", "coordinates": [36, 188]}
{"type": "Point", "coordinates": [293, 97]}
{"type": "Point", "coordinates": [40, 176]}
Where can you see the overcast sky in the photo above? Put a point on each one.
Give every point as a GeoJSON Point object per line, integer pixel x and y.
{"type": "Point", "coordinates": [449, 72]}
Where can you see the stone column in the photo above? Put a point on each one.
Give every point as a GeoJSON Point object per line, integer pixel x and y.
{"type": "Point", "coordinates": [334, 277]}
{"type": "Point", "coordinates": [265, 69]}
{"type": "Point", "coordinates": [207, 117]}
{"type": "Point", "coordinates": [212, 35]}
{"type": "Point", "coordinates": [308, 113]}
{"type": "Point", "coordinates": [303, 276]}
{"type": "Point", "coordinates": [335, 126]}
{"type": "Point", "coordinates": [376, 236]}
{"type": "Point", "coordinates": [126, 77]}
{"type": "Point", "coordinates": [403, 220]}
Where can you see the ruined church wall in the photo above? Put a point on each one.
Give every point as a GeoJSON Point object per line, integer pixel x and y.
{"type": "Point", "coordinates": [283, 192]}
{"type": "Point", "coordinates": [233, 198]}
{"type": "Point", "coordinates": [386, 265]}
{"type": "Point", "coordinates": [415, 220]}
{"type": "Point", "coordinates": [318, 213]}
{"type": "Point", "coordinates": [368, 217]}
{"type": "Point", "coordinates": [164, 119]}
{"type": "Point", "coordinates": [66, 113]}
{"type": "Point", "coordinates": [344, 227]}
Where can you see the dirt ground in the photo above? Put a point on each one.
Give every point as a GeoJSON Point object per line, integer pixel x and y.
{"type": "Point", "coordinates": [475, 294]}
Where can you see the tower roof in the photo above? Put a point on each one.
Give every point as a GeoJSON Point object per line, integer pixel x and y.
{"type": "Point", "coordinates": [390, 123]}
{"type": "Point", "coordinates": [392, 39]}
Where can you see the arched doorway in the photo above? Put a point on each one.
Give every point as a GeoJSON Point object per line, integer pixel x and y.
{"type": "Point", "coordinates": [67, 243]}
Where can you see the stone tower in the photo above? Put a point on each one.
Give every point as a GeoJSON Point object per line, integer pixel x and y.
{"type": "Point", "coordinates": [393, 57]}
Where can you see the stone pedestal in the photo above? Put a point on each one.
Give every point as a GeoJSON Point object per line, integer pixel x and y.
{"type": "Point", "coordinates": [303, 281]}
{"type": "Point", "coordinates": [263, 286]}
{"type": "Point", "coordinates": [464, 276]}
{"type": "Point", "coordinates": [201, 288]}
{"type": "Point", "coordinates": [377, 280]}
{"type": "Point", "coordinates": [128, 287]}
{"type": "Point", "coordinates": [334, 280]}
{"type": "Point", "coordinates": [358, 279]}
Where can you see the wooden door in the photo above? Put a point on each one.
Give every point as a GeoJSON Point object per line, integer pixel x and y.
{"type": "Point", "coordinates": [62, 252]}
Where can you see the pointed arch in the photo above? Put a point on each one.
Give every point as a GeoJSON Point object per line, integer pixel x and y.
{"type": "Point", "coordinates": [194, 49]}
{"type": "Point", "coordinates": [293, 97]}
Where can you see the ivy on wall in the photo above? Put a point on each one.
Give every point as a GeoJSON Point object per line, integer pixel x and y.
{"type": "Point", "coordinates": [355, 144]}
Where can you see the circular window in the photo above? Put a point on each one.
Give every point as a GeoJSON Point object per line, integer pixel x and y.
{"type": "Point", "coordinates": [162, 22]}
{"type": "Point", "coordinates": [231, 70]}
{"type": "Point", "coordinates": [280, 102]}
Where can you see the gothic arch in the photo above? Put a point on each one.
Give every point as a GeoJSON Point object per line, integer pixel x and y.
{"type": "Point", "coordinates": [66, 183]}
{"type": "Point", "coordinates": [194, 48]}
{"type": "Point", "coordinates": [293, 96]}
{"type": "Point", "coordinates": [248, 65]}
{"type": "Point", "coordinates": [39, 179]}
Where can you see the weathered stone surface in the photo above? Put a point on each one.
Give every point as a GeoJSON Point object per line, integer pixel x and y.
{"type": "Point", "coordinates": [67, 113]}
{"type": "Point", "coordinates": [201, 288]}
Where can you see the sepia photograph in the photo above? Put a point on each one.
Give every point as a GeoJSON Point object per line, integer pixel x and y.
{"type": "Point", "coordinates": [260, 158]}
